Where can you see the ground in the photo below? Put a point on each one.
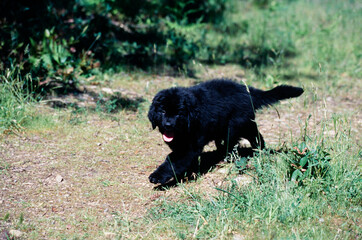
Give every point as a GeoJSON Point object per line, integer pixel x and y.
{"type": "Point", "coordinates": [86, 175]}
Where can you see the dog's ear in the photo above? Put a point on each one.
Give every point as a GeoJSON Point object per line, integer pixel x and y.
{"type": "Point", "coordinates": [152, 116]}
{"type": "Point", "coordinates": [153, 122]}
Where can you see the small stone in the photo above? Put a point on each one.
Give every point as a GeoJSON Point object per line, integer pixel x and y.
{"type": "Point", "coordinates": [59, 178]}
{"type": "Point", "coordinates": [243, 180]}
{"type": "Point", "coordinates": [109, 235]}
{"type": "Point", "coordinates": [238, 237]}
{"type": "Point", "coordinates": [16, 233]}
{"type": "Point", "coordinates": [223, 170]}
{"type": "Point", "coordinates": [107, 90]}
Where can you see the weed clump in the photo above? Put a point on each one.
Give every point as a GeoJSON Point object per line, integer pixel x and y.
{"type": "Point", "coordinates": [14, 100]}
{"type": "Point", "coordinates": [306, 163]}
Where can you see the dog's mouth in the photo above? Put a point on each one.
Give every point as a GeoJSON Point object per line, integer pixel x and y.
{"type": "Point", "coordinates": [168, 136]}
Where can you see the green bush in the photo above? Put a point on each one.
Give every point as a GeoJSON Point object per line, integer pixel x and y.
{"type": "Point", "coordinates": [57, 41]}
{"type": "Point", "coordinates": [46, 39]}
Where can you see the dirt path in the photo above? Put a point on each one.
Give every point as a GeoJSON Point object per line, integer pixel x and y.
{"type": "Point", "coordinates": [81, 180]}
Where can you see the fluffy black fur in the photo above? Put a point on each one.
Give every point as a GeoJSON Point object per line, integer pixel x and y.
{"type": "Point", "coordinates": [219, 110]}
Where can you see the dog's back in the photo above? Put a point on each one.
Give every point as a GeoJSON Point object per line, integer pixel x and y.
{"type": "Point", "coordinates": [225, 88]}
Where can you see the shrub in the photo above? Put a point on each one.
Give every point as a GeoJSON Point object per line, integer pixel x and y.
{"type": "Point", "coordinates": [59, 40]}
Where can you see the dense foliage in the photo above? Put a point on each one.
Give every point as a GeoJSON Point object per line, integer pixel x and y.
{"type": "Point", "coordinates": [58, 40]}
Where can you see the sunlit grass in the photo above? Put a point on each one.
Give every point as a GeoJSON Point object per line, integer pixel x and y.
{"type": "Point", "coordinates": [319, 206]}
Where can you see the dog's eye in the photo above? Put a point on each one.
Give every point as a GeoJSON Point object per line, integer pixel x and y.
{"type": "Point", "coordinates": [163, 112]}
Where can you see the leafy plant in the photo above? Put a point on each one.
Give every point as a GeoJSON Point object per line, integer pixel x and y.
{"type": "Point", "coordinates": [308, 163]}
{"type": "Point", "coordinates": [53, 57]}
{"type": "Point", "coordinates": [241, 164]}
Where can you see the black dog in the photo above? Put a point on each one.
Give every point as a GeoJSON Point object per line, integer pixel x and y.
{"type": "Point", "coordinates": [219, 110]}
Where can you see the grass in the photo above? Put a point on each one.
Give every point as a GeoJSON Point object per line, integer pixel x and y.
{"type": "Point", "coordinates": [273, 206]}
{"type": "Point", "coordinates": [307, 39]}
{"type": "Point", "coordinates": [14, 103]}
{"type": "Point", "coordinates": [105, 152]}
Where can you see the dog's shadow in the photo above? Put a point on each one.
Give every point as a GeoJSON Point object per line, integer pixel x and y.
{"type": "Point", "coordinates": [208, 161]}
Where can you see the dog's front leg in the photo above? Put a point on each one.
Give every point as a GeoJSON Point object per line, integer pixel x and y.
{"type": "Point", "coordinates": [175, 166]}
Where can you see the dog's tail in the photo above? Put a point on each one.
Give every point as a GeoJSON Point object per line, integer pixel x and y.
{"type": "Point", "coordinates": [262, 98]}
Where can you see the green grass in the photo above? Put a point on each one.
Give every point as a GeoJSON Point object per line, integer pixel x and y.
{"type": "Point", "coordinates": [18, 108]}
{"type": "Point", "coordinates": [322, 206]}
{"type": "Point", "coordinates": [292, 39]}
{"type": "Point", "coordinates": [13, 102]}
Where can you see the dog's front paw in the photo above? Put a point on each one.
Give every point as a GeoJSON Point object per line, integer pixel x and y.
{"type": "Point", "coordinates": [158, 177]}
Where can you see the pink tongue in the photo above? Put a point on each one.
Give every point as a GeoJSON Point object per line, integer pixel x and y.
{"type": "Point", "coordinates": [167, 137]}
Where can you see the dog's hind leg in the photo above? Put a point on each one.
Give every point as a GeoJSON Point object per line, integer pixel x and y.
{"type": "Point", "coordinates": [252, 134]}
{"type": "Point", "coordinates": [219, 144]}
{"type": "Point", "coordinates": [227, 144]}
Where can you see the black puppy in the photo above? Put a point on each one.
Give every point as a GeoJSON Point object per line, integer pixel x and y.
{"type": "Point", "coordinates": [219, 110]}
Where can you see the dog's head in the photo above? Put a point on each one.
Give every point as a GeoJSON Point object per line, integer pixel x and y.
{"type": "Point", "coordinates": [172, 111]}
